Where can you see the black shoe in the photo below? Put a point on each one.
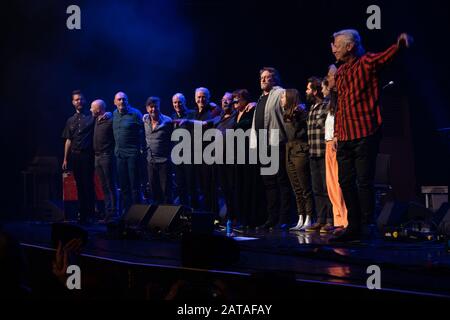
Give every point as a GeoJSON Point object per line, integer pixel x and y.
{"type": "Point", "coordinates": [347, 236]}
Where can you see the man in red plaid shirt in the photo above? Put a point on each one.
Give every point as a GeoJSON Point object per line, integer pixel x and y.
{"type": "Point", "coordinates": [357, 124]}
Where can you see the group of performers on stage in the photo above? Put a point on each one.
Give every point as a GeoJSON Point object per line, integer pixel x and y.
{"type": "Point", "coordinates": [326, 151]}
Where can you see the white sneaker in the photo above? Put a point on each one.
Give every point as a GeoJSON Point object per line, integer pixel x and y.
{"type": "Point", "coordinates": [307, 224]}
{"type": "Point", "coordinates": [299, 224]}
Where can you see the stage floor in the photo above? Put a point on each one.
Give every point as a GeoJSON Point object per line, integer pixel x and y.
{"type": "Point", "coordinates": [417, 268]}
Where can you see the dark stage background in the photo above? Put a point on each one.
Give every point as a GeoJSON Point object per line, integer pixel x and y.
{"type": "Point", "coordinates": [161, 47]}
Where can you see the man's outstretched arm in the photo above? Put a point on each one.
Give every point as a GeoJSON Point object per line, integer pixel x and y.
{"type": "Point", "coordinates": [379, 60]}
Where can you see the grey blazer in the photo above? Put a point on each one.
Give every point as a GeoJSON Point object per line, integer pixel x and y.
{"type": "Point", "coordinates": [273, 120]}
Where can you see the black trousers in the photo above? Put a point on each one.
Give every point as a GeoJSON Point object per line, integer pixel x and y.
{"type": "Point", "coordinates": [226, 175]}
{"type": "Point", "coordinates": [250, 205]}
{"type": "Point", "coordinates": [278, 192]}
{"type": "Point", "coordinates": [356, 162]}
{"type": "Point", "coordinates": [186, 187]}
{"type": "Point", "coordinates": [205, 176]}
{"type": "Point", "coordinates": [324, 209]}
{"type": "Point", "coordinates": [105, 168]}
{"type": "Point", "coordinates": [83, 171]}
{"type": "Point", "coordinates": [299, 172]}
{"type": "Point", "coordinates": [160, 182]}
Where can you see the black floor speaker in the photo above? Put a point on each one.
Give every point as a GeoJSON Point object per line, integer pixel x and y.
{"type": "Point", "coordinates": [166, 218]}
{"type": "Point", "coordinates": [442, 219]}
{"type": "Point", "coordinates": [138, 215]}
{"type": "Point", "coordinates": [395, 214]}
{"type": "Point", "coordinates": [392, 214]}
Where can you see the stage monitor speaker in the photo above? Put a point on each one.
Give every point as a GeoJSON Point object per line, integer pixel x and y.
{"type": "Point", "coordinates": [442, 219]}
{"type": "Point", "coordinates": [166, 218]}
{"type": "Point", "coordinates": [138, 215]}
{"type": "Point", "coordinates": [417, 211]}
{"type": "Point", "coordinates": [393, 214]}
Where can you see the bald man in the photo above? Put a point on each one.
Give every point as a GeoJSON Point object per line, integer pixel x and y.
{"type": "Point", "coordinates": [104, 156]}
{"type": "Point", "coordinates": [129, 140]}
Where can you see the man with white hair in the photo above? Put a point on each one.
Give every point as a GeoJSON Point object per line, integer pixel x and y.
{"type": "Point", "coordinates": [358, 124]}
{"type": "Point", "coordinates": [184, 172]}
{"type": "Point", "coordinates": [204, 173]}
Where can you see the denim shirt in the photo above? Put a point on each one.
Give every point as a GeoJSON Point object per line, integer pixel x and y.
{"type": "Point", "coordinates": [128, 132]}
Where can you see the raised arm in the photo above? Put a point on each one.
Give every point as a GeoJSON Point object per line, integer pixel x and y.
{"type": "Point", "coordinates": [379, 60]}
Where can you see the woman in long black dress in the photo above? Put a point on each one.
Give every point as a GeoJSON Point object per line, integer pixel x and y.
{"type": "Point", "coordinates": [250, 207]}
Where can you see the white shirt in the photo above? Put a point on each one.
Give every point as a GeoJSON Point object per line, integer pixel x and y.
{"type": "Point", "coordinates": [329, 127]}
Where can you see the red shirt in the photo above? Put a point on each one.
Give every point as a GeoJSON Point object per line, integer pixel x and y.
{"type": "Point", "coordinates": [358, 107]}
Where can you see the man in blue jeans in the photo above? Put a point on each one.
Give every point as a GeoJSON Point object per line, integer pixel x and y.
{"type": "Point", "coordinates": [129, 138]}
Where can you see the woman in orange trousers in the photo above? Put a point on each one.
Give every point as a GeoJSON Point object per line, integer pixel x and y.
{"type": "Point", "coordinates": [332, 177]}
